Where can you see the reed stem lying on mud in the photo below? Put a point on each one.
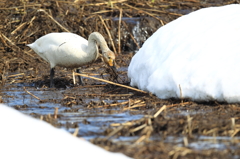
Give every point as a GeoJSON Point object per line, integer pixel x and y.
{"type": "Point", "coordinates": [99, 79]}
{"type": "Point", "coordinates": [31, 94]}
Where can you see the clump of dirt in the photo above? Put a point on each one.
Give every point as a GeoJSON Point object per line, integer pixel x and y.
{"type": "Point", "coordinates": [170, 128]}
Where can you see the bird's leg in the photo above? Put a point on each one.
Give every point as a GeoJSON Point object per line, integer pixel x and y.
{"type": "Point", "coordinates": [51, 77]}
{"type": "Point", "coordinates": [80, 77]}
{"type": "Point", "coordinates": [114, 73]}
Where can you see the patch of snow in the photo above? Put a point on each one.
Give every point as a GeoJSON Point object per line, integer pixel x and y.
{"type": "Point", "coordinates": [200, 52]}
{"type": "Point", "coordinates": [24, 137]}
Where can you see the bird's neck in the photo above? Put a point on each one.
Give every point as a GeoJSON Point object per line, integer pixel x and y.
{"type": "Point", "coordinates": [94, 38]}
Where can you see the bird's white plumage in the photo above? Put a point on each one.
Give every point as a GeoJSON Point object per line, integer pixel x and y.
{"type": "Point", "coordinates": [199, 51]}
{"type": "Point", "coordinates": [71, 51]}
{"type": "Point", "coordinates": [63, 49]}
{"type": "Point", "coordinates": [25, 137]}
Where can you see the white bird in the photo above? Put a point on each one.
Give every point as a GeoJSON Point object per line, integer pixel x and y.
{"type": "Point", "coordinates": [198, 52]}
{"type": "Point", "coordinates": [71, 51]}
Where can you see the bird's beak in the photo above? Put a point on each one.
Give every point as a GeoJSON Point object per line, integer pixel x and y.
{"type": "Point", "coordinates": [111, 62]}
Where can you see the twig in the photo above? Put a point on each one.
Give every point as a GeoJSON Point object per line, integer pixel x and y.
{"type": "Point", "coordinates": [19, 74]}
{"type": "Point", "coordinates": [210, 131]}
{"type": "Point", "coordinates": [173, 105]}
{"type": "Point", "coordinates": [235, 132]}
{"type": "Point", "coordinates": [122, 103]}
{"type": "Point", "coordinates": [138, 128]}
{"type": "Point", "coordinates": [115, 104]}
{"type": "Point", "coordinates": [134, 40]}
{"type": "Point", "coordinates": [103, 3]}
{"type": "Point", "coordinates": [55, 112]}
{"type": "Point", "coordinates": [119, 29]}
{"type": "Point", "coordinates": [30, 24]}
{"type": "Point", "coordinates": [18, 28]}
{"type": "Point", "coordinates": [185, 141]}
{"type": "Point", "coordinates": [2, 38]}
{"type": "Point", "coordinates": [135, 89]}
{"type": "Point", "coordinates": [135, 106]}
{"type": "Point", "coordinates": [233, 123]}
{"type": "Point", "coordinates": [12, 43]}
{"type": "Point", "coordinates": [164, 12]}
{"type": "Point", "coordinates": [189, 121]}
{"type": "Point", "coordinates": [144, 12]}
{"type": "Point", "coordinates": [14, 47]}
{"type": "Point", "coordinates": [159, 111]}
{"type": "Point", "coordinates": [76, 132]}
{"type": "Point", "coordinates": [31, 94]}
{"type": "Point", "coordinates": [140, 139]}
{"type": "Point", "coordinates": [114, 132]}
{"type": "Point", "coordinates": [114, 95]}
{"type": "Point", "coordinates": [62, 27]}
{"type": "Point", "coordinates": [102, 11]}
{"type": "Point", "coordinates": [181, 96]}
{"type": "Point", "coordinates": [15, 7]}
{"type": "Point", "coordinates": [124, 124]}
{"type": "Point", "coordinates": [110, 37]}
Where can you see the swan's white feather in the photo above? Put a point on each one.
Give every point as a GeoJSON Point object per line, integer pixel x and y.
{"type": "Point", "coordinates": [62, 49]}
{"type": "Point", "coordinates": [199, 51]}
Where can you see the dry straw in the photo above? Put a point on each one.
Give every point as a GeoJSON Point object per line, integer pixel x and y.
{"type": "Point", "coordinates": [99, 79]}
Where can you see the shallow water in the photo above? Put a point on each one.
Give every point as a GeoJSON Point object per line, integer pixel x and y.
{"type": "Point", "coordinates": [97, 119]}
{"type": "Point", "coordinates": [93, 122]}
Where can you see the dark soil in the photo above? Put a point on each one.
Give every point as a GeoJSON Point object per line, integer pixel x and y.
{"type": "Point", "coordinates": [184, 129]}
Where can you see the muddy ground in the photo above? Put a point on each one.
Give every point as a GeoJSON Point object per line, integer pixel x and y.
{"type": "Point", "coordinates": [118, 119]}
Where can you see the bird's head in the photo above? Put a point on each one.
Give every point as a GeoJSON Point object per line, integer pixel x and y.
{"type": "Point", "coordinates": [109, 58]}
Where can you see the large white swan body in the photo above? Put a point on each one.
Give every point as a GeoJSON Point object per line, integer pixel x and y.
{"type": "Point", "coordinates": [26, 137]}
{"type": "Point", "coordinates": [71, 51]}
{"type": "Point", "coordinates": [199, 51]}
{"type": "Point", "coordinates": [64, 49]}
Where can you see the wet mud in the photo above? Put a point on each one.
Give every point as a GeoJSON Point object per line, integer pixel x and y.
{"type": "Point", "coordinates": [116, 118]}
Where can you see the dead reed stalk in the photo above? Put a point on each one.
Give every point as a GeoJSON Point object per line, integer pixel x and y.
{"type": "Point", "coordinates": [120, 85]}
{"type": "Point", "coordinates": [31, 94]}
{"type": "Point", "coordinates": [108, 32]}
{"type": "Point", "coordinates": [119, 31]}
